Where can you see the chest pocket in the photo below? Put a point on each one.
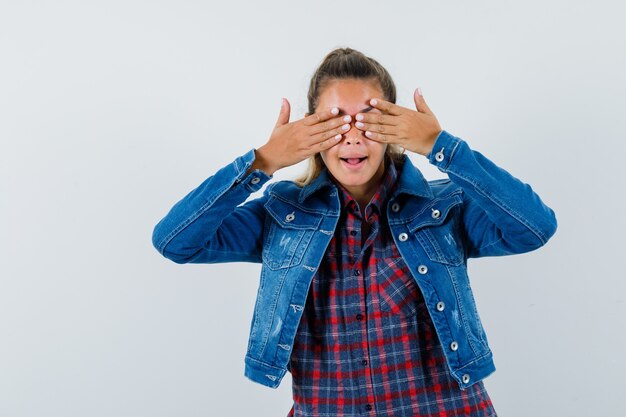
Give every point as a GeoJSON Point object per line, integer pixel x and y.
{"type": "Point", "coordinates": [288, 233]}
{"type": "Point", "coordinates": [438, 230]}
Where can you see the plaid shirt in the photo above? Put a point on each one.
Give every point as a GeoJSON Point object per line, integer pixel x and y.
{"type": "Point", "coordinates": [366, 345]}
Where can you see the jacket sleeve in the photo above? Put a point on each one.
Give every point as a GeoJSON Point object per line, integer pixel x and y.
{"type": "Point", "coordinates": [501, 214]}
{"type": "Point", "coordinates": [211, 224]}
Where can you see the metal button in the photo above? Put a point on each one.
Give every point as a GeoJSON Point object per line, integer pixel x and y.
{"type": "Point", "coordinates": [359, 316]}
{"type": "Point", "coordinates": [441, 305]}
{"type": "Point", "coordinates": [357, 272]}
{"type": "Point", "coordinates": [422, 269]}
{"type": "Point", "coordinates": [395, 207]}
{"type": "Point", "coordinates": [368, 407]}
{"type": "Point", "coordinates": [439, 156]}
{"type": "Point", "coordinates": [290, 217]}
{"type": "Point", "coordinates": [403, 237]}
{"type": "Point", "coordinates": [255, 180]}
{"type": "Point", "coordinates": [466, 378]}
{"type": "Point", "coordinates": [436, 213]}
{"type": "Point", "coordinates": [353, 232]}
{"type": "Point", "coordinates": [364, 362]}
{"type": "Point", "coordinates": [454, 345]}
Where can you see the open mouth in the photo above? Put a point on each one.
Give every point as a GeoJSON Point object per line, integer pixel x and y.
{"type": "Point", "coordinates": [353, 161]}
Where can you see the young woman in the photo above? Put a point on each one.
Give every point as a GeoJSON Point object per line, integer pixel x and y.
{"type": "Point", "coordinates": [364, 295]}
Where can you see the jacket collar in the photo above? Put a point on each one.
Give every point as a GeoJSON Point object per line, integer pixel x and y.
{"type": "Point", "coordinates": [321, 181]}
{"type": "Point", "coordinates": [411, 181]}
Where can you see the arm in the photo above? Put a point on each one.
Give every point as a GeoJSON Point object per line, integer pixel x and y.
{"type": "Point", "coordinates": [501, 214]}
{"type": "Point", "coordinates": [210, 225]}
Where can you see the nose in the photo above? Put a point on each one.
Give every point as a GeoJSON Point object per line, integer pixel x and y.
{"type": "Point", "coordinates": [353, 136]}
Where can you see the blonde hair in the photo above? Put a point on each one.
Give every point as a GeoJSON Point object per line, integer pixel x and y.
{"type": "Point", "coordinates": [345, 63]}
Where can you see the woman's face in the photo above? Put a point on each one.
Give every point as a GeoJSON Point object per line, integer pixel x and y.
{"type": "Point", "coordinates": [357, 162]}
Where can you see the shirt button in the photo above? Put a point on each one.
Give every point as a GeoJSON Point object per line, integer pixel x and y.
{"type": "Point", "coordinates": [395, 207]}
{"type": "Point", "coordinates": [357, 272]}
{"type": "Point", "coordinates": [454, 345]}
{"type": "Point", "coordinates": [436, 213]}
{"type": "Point", "coordinates": [368, 407]}
{"type": "Point", "coordinates": [466, 378]}
{"type": "Point", "coordinates": [353, 232]}
{"type": "Point", "coordinates": [290, 217]}
{"type": "Point", "coordinates": [359, 316]}
{"type": "Point", "coordinates": [422, 269]}
{"type": "Point", "coordinates": [439, 156]}
{"type": "Point", "coordinates": [255, 180]}
{"type": "Point", "coordinates": [441, 305]}
{"type": "Point", "coordinates": [403, 237]}
{"type": "Point", "coordinates": [364, 362]}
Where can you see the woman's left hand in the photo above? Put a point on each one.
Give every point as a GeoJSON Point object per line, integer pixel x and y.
{"type": "Point", "coordinates": [415, 131]}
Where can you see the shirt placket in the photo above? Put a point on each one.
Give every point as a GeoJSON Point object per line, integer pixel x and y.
{"type": "Point", "coordinates": [365, 290]}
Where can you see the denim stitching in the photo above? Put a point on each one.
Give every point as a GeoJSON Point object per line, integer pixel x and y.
{"type": "Point", "coordinates": [459, 304]}
{"type": "Point", "coordinates": [505, 208]}
{"type": "Point", "coordinates": [193, 217]}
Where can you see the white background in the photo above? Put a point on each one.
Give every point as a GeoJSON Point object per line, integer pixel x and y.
{"type": "Point", "coordinates": [112, 111]}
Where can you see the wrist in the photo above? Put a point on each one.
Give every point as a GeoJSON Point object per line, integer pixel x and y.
{"type": "Point", "coordinates": [431, 144]}
{"type": "Point", "coordinates": [262, 162]}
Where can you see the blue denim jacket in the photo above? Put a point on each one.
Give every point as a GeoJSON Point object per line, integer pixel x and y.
{"type": "Point", "coordinates": [481, 210]}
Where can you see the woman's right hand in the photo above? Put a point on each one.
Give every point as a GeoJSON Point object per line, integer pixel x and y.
{"type": "Point", "coordinates": [293, 142]}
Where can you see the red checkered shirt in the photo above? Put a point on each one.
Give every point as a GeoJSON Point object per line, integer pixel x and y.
{"type": "Point", "coordinates": [366, 345]}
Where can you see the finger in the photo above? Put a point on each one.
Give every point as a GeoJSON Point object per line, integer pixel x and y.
{"type": "Point", "coordinates": [420, 103]}
{"type": "Point", "coordinates": [283, 116]}
{"type": "Point", "coordinates": [330, 124]}
{"type": "Point", "coordinates": [377, 118]}
{"type": "Point", "coordinates": [377, 128]}
{"type": "Point", "coordinates": [321, 116]}
{"type": "Point", "coordinates": [386, 106]}
{"type": "Point", "coordinates": [382, 137]}
{"type": "Point", "coordinates": [322, 136]}
{"type": "Point", "coordinates": [326, 143]}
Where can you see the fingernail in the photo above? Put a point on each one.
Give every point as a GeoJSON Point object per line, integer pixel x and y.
{"type": "Point", "coordinates": [347, 118]}
{"type": "Point", "coordinates": [334, 110]}
{"type": "Point", "coordinates": [337, 137]}
{"type": "Point", "coordinates": [419, 91]}
{"type": "Point", "coordinates": [345, 127]}
{"type": "Point", "coordinates": [359, 117]}
{"type": "Point", "coordinates": [373, 102]}
{"type": "Point", "coordinates": [368, 133]}
{"type": "Point", "coordinates": [359, 124]}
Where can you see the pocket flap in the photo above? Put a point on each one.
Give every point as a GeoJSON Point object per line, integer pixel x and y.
{"type": "Point", "coordinates": [435, 213]}
{"type": "Point", "coordinates": [291, 216]}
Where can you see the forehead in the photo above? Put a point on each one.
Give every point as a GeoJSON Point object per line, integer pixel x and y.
{"type": "Point", "coordinates": [349, 95]}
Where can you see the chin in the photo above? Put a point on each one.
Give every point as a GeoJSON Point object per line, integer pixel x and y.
{"type": "Point", "coordinates": [352, 178]}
